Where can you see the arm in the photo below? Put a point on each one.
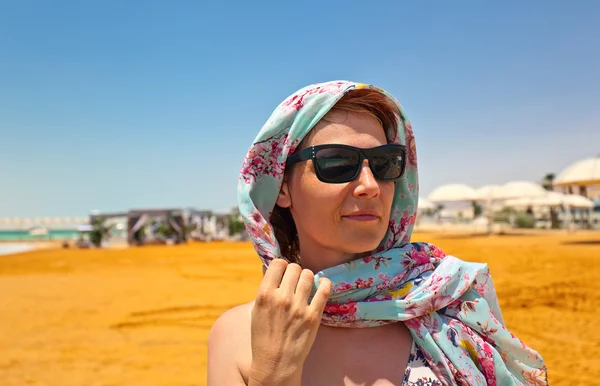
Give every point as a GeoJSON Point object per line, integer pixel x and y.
{"type": "Point", "coordinates": [224, 345]}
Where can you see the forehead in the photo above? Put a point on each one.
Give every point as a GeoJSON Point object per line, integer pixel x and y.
{"type": "Point", "coordinates": [348, 128]}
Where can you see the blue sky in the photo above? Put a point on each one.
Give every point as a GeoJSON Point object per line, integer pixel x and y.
{"type": "Point", "coordinates": [117, 104]}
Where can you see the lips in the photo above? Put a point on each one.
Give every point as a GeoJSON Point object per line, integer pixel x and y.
{"type": "Point", "coordinates": [365, 217]}
{"type": "Point", "coordinates": [362, 216]}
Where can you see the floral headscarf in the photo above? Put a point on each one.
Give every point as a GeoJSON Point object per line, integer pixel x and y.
{"type": "Point", "coordinates": [449, 306]}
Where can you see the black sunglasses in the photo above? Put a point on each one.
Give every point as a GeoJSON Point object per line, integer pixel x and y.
{"type": "Point", "coordinates": [336, 164]}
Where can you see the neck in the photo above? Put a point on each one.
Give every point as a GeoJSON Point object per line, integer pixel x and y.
{"type": "Point", "coordinates": [318, 258]}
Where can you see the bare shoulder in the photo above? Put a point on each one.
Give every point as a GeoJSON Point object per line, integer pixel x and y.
{"type": "Point", "coordinates": [229, 350]}
{"type": "Point", "coordinates": [233, 324]}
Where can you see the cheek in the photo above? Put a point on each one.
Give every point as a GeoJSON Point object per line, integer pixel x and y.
{"type": "Point", "coordinates": [315, 201]}
{"type": "Point", "coordinates": [321, 197]}
{"type": "Point", "coordinates": [387, 194]}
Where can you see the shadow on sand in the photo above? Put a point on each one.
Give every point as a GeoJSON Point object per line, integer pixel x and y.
{"type": "Point", "coordinates": [582, 242]}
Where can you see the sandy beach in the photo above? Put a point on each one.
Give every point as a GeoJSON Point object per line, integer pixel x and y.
{"type": "Point", "coordinates": [141, 316]}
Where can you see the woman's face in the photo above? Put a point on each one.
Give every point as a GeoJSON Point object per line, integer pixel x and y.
{"type": "Point", "coordinates": [330, 231]}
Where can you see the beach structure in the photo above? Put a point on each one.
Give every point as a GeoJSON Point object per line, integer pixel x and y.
{"type": "Point", "coordinates": [171, 225]}
{"type": "Point", "coordinates": [580, 175]}
{"type": "Point", "coordinates": [453, 202]}
{"type": "Point", "coordinates": [574, 209]}
{"type": "Point", "coordinates": [553, 199]}
{"type": "Point", "coordinates": [583, 178]}
{"type": "Point", "coordinates": [135, 226]}
{"type": "Point", "coordinates": [499, 196]}
{"type": "Point", "coordinates": [491, 198]}
{"type": "Point", "coordinates": [172, 218]}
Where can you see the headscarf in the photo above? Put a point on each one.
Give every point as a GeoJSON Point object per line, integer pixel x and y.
{"type": "Point", "coordinates": [449, 305]}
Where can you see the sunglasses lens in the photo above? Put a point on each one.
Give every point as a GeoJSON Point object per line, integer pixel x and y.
{"type": "Point", "coordinates": [337, 164]}
{"type": "Point", "coordinates": [387, 163]}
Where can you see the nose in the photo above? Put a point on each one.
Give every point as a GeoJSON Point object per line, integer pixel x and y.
{"type": "Point", "coordinates": [367, 185]}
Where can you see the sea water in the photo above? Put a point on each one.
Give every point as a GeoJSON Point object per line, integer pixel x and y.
{"type": "Point", "coordinates": [25, 236]}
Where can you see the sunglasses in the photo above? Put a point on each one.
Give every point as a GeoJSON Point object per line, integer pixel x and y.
{"type": "Point", "coordinates": [336, 164]}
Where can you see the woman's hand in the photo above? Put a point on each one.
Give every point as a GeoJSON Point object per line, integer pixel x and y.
{"type": "Point", "coordinates": [284, 324]}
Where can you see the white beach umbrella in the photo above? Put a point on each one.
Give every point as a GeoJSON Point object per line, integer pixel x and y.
{"type": "Point", "coordinates": [518, 204]}
{"type": "Point", "coordinates": [452, 192]}
{"type": "Point", "coordinates": [488, 193]}
{"type": "Point", "coordinates": [553, 199]}
{"type": "Point", "coordinates": [577, 201]}
{"type": "Point", "coordinates": [425, 204]}
{"type": "Point", "coordinates": [521, 189]}
{"type": "Point", "coordinates": [581, 173]}
{"type": "Point", "coordinates": [548, 199]}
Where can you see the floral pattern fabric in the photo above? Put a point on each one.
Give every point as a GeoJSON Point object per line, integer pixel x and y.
{"type": "Point", "coordinates": [418, 372]}
{"type": "Point", "coordinates": [449, 305]}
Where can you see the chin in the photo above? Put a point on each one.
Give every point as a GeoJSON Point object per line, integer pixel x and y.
{"type": "Point", "coordinates": [361, 244]}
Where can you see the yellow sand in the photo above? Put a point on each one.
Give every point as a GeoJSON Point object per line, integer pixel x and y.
{"type": "Point", "coordinates": [141, 316]}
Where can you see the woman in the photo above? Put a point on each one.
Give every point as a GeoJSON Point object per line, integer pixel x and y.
{"type": "Point", "coordinates": [328, 193]}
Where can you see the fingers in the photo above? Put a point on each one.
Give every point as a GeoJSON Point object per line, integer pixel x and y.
{"type": "Point", "coordinates": [305, 285]}
{"type": "Point", "coordinates": [320, 299]}
{"type": "Point", "coordinates": [274, 273]}
{"type": "Point", "coordinates": [290, 278]}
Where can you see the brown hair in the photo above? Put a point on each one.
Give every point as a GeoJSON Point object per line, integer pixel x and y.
{"type": "Point", "coordinates": [364, 101]}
